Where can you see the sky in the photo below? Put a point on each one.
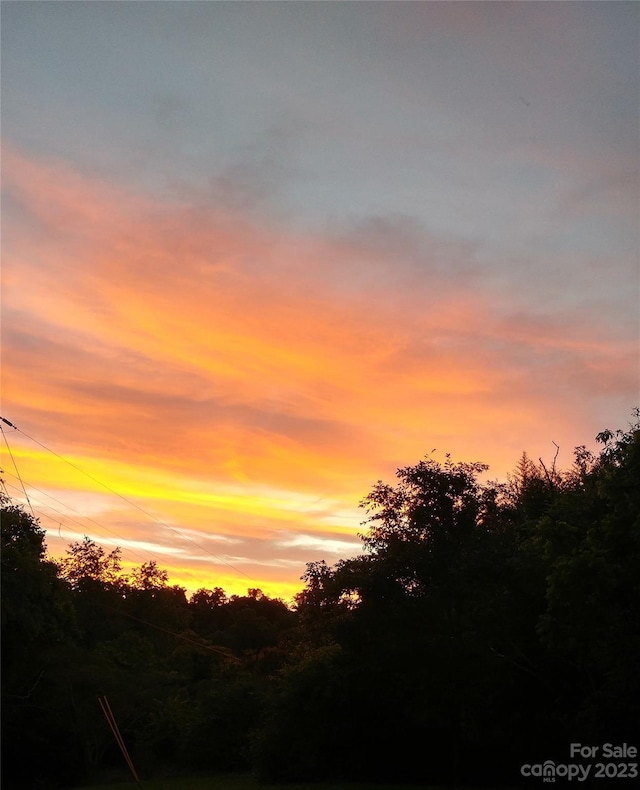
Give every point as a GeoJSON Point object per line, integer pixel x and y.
{"type": "Point", "coordinates": [257, 256]}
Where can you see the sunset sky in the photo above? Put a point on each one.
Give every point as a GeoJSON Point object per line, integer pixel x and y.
{"type": "Point", "coordinates": [258, 255]}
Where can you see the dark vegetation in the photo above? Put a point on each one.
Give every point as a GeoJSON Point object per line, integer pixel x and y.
{"type": "Point", "coordinates": [491, 624]}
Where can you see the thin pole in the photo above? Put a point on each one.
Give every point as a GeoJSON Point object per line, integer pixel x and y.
{"type": "Point", "coordinates": [108, 714]}
{"type": "Point", "coordinates": [133, 770]}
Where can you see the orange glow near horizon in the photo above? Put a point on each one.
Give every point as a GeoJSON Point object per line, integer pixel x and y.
{"type": "Point", "coordinates": [243, 384]}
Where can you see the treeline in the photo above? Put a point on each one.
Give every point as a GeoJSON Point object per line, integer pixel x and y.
{"type": "Point", "coordinates": [492, 624]}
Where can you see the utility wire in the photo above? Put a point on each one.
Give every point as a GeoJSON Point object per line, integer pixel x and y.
{"type": "Point", "coordinates": [15, 466]}
{"type": "Point", "coordinates": [128, 501]}
{"type": "Point", "coordinates": [75, 521]}
{"type": "Point", "coordinates": [87, 518]}
{"type": "Point", "coordinates": [222, 651]}
{"type": "Point", "coordinates": [67, 526]}
{"type": "Point", "coordinates": [226, 652]}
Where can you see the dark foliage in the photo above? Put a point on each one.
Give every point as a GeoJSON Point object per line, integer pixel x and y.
{"type": "Point", "coordinates": [492, 624]}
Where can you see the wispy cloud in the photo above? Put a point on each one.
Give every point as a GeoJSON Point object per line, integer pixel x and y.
{"type": "Point", "coordinates": [307, 260]}
{"type": "Point", "coordinates": [202, 346]}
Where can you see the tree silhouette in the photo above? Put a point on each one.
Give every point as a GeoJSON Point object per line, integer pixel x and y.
{"type": "Point", "coordinates": [493, 623]}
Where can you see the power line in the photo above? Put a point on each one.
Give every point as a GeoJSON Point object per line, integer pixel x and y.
{"type": "Point", "coordinates": [86, 518]}
{"type": "Point", "coordinates": [83, 533]}
{"type": "Point", "coordinates": [128, 501]}
{"type": "Point", "coordinates": [42, 514]}
{"type": "Point", "coordinates": [220, 650]}
{"type": "Point", "coordinates": [74, 520]}
{"type": "Point", "coordinates": [15, 466]}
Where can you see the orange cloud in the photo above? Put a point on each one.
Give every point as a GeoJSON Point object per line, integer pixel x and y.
{"type": "Point", "coordinates": [226, 375]}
